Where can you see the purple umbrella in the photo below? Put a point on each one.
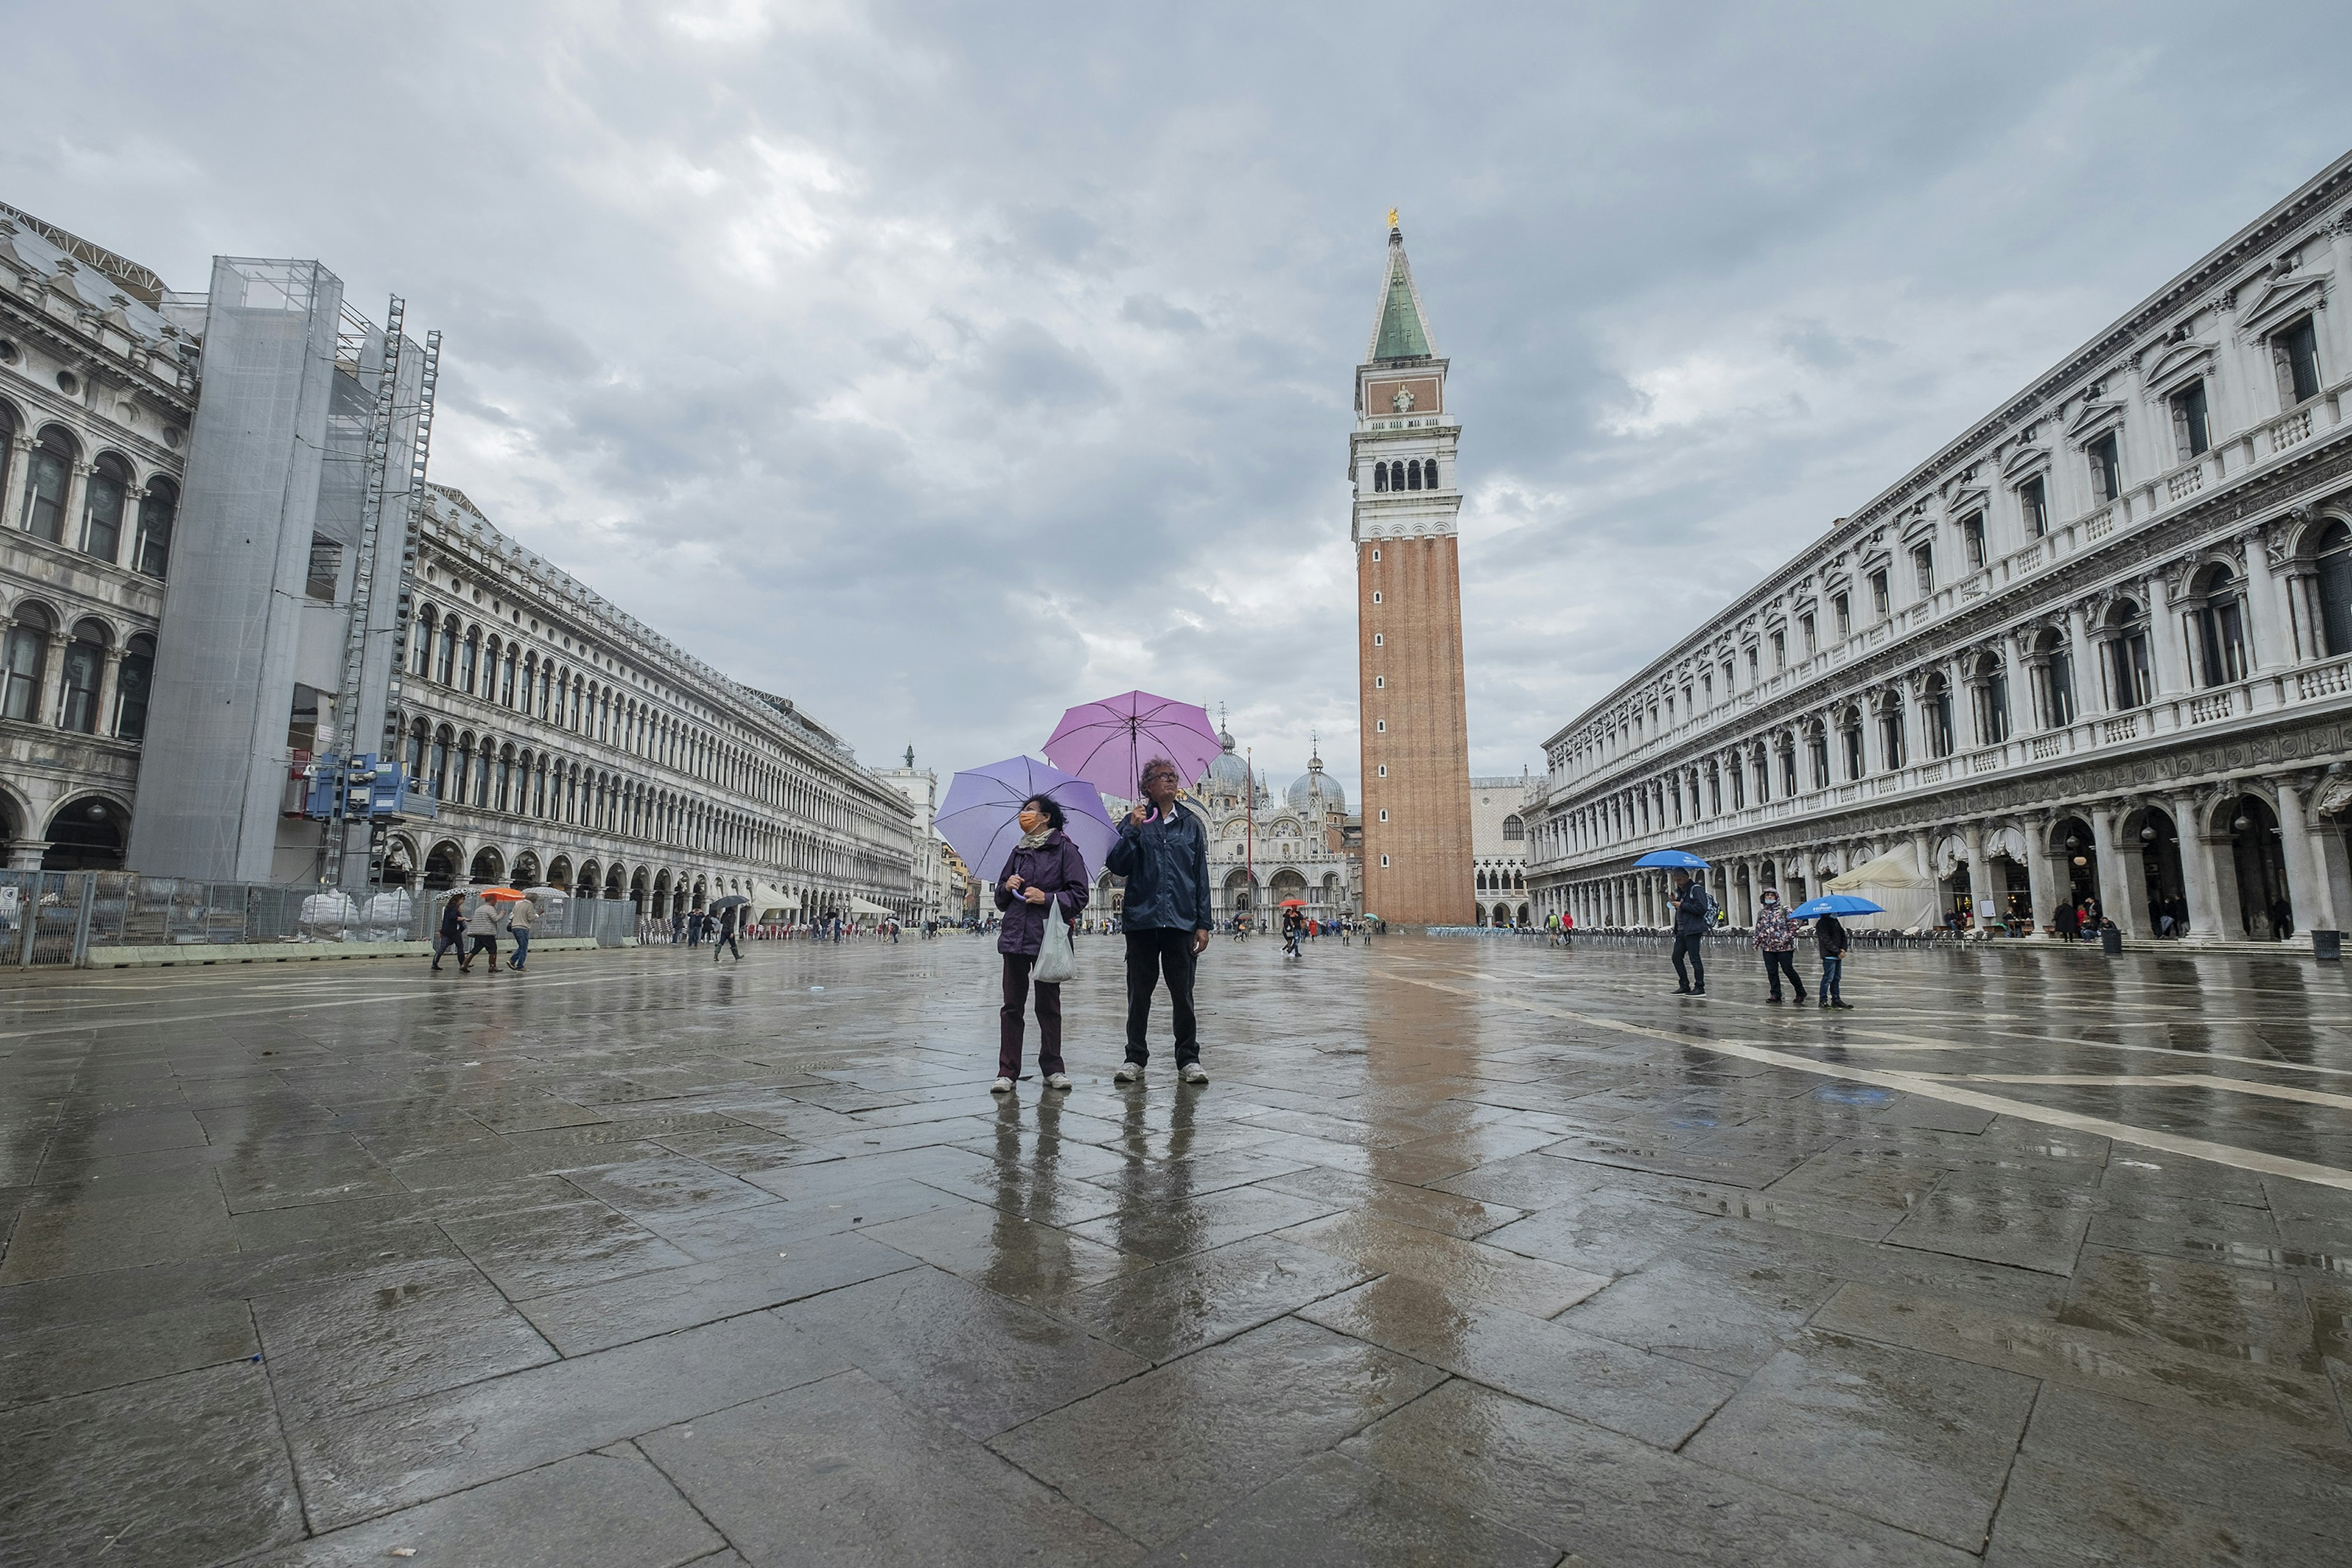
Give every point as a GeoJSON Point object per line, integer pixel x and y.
{"type": "Point", "coordinates": [1108, 742]}
{"type": "Point", "coordinates": [981, 815]}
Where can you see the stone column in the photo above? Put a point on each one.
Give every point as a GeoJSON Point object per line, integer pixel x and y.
{"type": "Point", "coordinates": [107, 679]}
{"type": "Point", "coordinates": [2168, 650]}
{"type": "Point", "coordinates": [2040, 895]}
{"type": "Point", "coordinates": [2306, 870]}
{"type": "Point", "coordinates": [2197, 871]}
{"type": "Point", "coordinates": [2115, 902]}
{"type": "Point", "coordinates": [53, 681]}
{"type": "Point", "coordinates": [1980, 877]}
{"type": "Point", "coordinates": [2267, 608]}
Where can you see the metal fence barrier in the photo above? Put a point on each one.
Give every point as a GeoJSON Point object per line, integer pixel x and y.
{"type": "Point", "coordinates": [61, 918]}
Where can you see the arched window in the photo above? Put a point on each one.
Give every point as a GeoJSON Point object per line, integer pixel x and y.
{"type": "Point", "coordinates": [491, 649]}
{"type": "Point", "coordinates": [425, 624]}
{"type": "Point", "coordinates": [440, 769]}
{"type": "Point", "coordinates": [2054, 676]}
{"type": "Point", "coordinates": [157, 511]}
{"type": "Point", "coordinates": [1413, 475]}
{"type": "Point", "coordinates": [1515, 830]}
{"type": "Point", "coordinates": [462, 761]}
{"type": "Point", "coordinates": [506, 679]}
{"type": "Point", "coordinates": [2336, 587]}
{"type": "Point", "coordinates": [1379, 476]}
{"type": "Point", "coordinates": [2129, 680]}
{"type": "Point", "coordinates": [7, 444]}
{"type": "Point", "coordinates": [2217, 625]}
{"type": "Point", "coordinates": [529, 682]}
{"type": "Point", "coordinates": [25, 665]}
{"type": "Point", "coordinates": [1890, 732]}
{"type": "Point", "coordinates": [84, 667]}
{"type": "Point", "coordinates": [45, 488]}
{"type": "Point", "coordinates": [1850, 736]}
{"type": "Point", "coordinates": [1936, 707]}
{"type": "Point", "coordinates": [132, 683]}
{"type": "Point", "coordinates": [469, 658]}
{"type": "Point", "coordinates": [449, 650]}
{"type": "Point", "coordinates": [1991, 686]}
{"type": "Point", "coordinates": [482, 776]}
{"type": "Point", "coordinates": [101, 513]}
{"type": "Point", "coordinates": [506, 778]}
{"type": "Point", "coordinates": [415, 760]}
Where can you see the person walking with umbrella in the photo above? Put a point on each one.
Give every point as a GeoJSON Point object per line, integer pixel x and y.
{"type": "Point", "coordinates": [729, 910]}
{"type": "Point", "coordinates": [481, 937]}
{"type": "Point", "coordinates": [520, 917]}
{"type": "Point", "coordinates": [1831, 941]}
{"type": "Point", "coordinates": [1692, 920]}
{"type": "Point", "coordinates": [1044, 879]}
{"type": "Point", "coordinates": [1164, 853]}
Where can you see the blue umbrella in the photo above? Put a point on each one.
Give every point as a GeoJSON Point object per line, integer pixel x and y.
{"type": "Point", "coordinates": [1835, 904]}
{"type": "Point", "coordinates": [1670, 861]}
{"type": "Point", "coordinates": [981, 814]}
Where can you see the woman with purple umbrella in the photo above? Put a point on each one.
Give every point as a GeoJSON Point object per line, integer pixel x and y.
{"type": "Point", "coordinates": [1044, 878]}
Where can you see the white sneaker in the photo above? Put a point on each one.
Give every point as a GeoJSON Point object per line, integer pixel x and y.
{"type": "Point", "coordinates": [1129, 1072]}
{"type": "Point", "coordinates": [1002, 1086]}
{"type": "Point", "coordinates": [1195, 1073]}
{"type": "Point", "coordinates": [1059, 1080]}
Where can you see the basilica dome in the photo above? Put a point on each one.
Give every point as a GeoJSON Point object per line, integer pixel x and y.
{"type": "Point", "coordinates": [1227, 774]}
{"type": "Point", "coordinates": [1316, 790]}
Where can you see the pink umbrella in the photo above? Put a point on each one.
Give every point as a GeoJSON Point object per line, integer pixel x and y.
{"type": "Point", "coordinates": [1108, 742]}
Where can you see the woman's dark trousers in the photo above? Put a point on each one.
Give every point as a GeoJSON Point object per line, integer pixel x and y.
{"type": "Point", "coordinates": [1775, 964]}
{"type": "Point", "coordinates": [1151, 953]}
{"type": "Point", "coordinates": [1049, 1019]}
{"type": "Point", "coordinates": [1687, 945]}
{"type": "Point", "coordinates": [1832, 972]}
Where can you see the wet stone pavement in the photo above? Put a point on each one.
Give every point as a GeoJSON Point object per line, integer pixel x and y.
{"type": "Point", "coordinates": [1472, 1253]}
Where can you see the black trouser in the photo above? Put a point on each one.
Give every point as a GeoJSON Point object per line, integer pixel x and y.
{"type": "Point", "coordinates": [1150, 954]}
{"type": "Point", "coordinates": [725, 942]}
{"type": "Point", "coordinates": [1017, 966]}
{"type": "Point", "coordinates": [1775, 964]}
{"type": "Point", "coordinates": [1687, 945]}
{"type": "Point", "coordinates": [480, 945]}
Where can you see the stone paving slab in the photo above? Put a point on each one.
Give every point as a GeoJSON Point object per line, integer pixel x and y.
{"type": "Point", "coordinates": [1470, 1252]}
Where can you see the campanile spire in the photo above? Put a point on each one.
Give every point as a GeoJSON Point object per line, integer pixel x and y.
{"type": "Point", "coordinates": [1415, 726]}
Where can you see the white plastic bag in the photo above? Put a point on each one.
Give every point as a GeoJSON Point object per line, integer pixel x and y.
{"type": "Point", "coordinates": [1054, 959]}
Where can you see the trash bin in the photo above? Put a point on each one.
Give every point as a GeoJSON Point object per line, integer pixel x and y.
{"type": "Point", "coordinates": [2111, 939]}
{"type": "Point", "coordinates": [2327, 944]}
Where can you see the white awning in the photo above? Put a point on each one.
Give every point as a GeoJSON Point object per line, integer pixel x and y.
{"type": "Point", "coordinates": [859, 906]}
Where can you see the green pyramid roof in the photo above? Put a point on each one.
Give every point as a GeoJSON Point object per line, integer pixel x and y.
{"type": "Point", "coordinates": [1402, 331]}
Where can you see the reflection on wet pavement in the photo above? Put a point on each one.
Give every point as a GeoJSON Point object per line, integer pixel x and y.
{"type": "Point", "coordinates": [1472, 1252]}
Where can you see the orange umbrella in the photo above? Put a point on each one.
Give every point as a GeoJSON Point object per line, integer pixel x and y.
{"type": "Point", "coordinates": [1294, 904]}
{"type": "Point", "coordinates": [502, 894]}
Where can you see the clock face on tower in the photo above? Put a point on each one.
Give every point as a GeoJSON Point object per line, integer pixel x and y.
{"type": "Point", "coordinates": [1402, 401]}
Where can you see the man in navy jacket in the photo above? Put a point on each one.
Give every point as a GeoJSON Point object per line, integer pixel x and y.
{"type": "Point", "coordinates": [1164, 853]}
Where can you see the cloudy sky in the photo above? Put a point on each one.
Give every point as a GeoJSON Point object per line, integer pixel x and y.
{"type": "Point", "coordinates": [941, 365]}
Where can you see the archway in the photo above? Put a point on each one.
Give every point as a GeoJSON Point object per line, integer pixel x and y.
{"type": "Point", "coordinates": [701, 894]}
{"type": "Point", "coordinates": [2256, 863]}
{"type": "Point", "coordinates": [661, 896]}
{"type": "Point", "coordinates": [2153, 875]}
{"type": "Point", "coordinates": [2073, 848]}
{"type": "Point", "coordinates": [637, 889]}
{"type": "Point", "coordinates": [87, 834]}
{"type": "Point", "coordinates": [558, 873]}
{"type": "Point", "coordinates": [526, 869]}
{"type": "Point", "coordinates": [585, 887]}
{"type": "Point", "coordinates": [613, 884]}
{"type": "Point", "coordinates": [1502, 914]}
{"type": "Point", "coordinates": [487, 864]}
{"type": "Point", "coordinates": [1240, 891]}
{"type": "Point", "coordinates": [399, 861]}
{"type": "Point", "coordinates": [442, 865]}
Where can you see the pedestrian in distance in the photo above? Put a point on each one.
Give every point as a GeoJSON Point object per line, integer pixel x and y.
{"type": "Point", "coordinates": [451, 934]}
{"type": "Point", "coordinates": [1164, 853]}
{"type": "Point", "coordinates": [1043, 878]}
{"type": "Point", "coordinates": [2067, 923]}
{"type": "Point", "coordinates": [1694, 917]}
{"type": "Point", "coordinates": [520, 917]}
{"type": "Point", "coordinates": [1831, 941]}
{"type": "Point", "coordinates": [726, 934]}
{"type": "Point", "coordinates": [481, 937]}
{"type": "Point", "coordinates": [1776, 939]}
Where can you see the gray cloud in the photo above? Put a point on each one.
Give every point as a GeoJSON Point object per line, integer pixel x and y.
{"type": "Point", "coordinates": [944, 366]}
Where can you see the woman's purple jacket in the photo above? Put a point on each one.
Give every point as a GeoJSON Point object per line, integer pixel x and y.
{"type": "Point", "coordinates": [1053, 867]}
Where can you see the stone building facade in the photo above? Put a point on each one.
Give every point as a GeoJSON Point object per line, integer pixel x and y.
{"type": "Point", "coordinates": [934, 897]}
{"type": "Point", "coordinates": [569, 744]}
{"type": "Point", "coordinates": [2099, 646]}
{"type": "Point", "coordinates": [96, 392]}
{"type": "Point", "coordinates": [1415, 724]}
{"type": "Point", "coordinates": [1498, 845]}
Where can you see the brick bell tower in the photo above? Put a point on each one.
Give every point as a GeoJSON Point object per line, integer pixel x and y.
{"type": "Point", "coordinates": [1416, 732]}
